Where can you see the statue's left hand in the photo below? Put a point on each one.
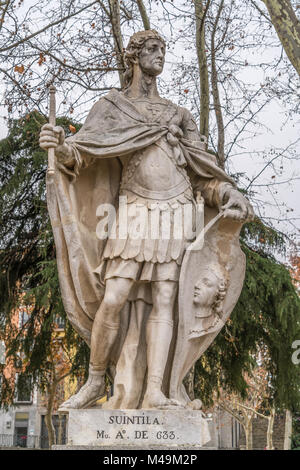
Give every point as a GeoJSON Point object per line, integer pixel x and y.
{"type": "Point", "coordinates": [238, 207]}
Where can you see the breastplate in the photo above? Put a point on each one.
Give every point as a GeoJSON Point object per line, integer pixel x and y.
{"type": "Point", "coordinates": [153, 173]}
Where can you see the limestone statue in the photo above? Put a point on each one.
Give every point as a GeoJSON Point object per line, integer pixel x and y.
{"type": "Point", "coordinates": [148, 306]}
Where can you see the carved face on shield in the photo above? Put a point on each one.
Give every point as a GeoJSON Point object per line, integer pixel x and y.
{"type": "Point", "coordinates": [209, 293]}
{"type": "Point", "coordinates": [206, 290]}
{"type": "Point", "coordinates": [209, 290]}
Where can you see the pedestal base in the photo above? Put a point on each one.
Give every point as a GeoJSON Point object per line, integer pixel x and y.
{"type": "Point", "coordinates": [151, 429]}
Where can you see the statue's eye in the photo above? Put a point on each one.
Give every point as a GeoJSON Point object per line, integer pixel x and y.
{"type": "Point", "coordinates": [207, 282]}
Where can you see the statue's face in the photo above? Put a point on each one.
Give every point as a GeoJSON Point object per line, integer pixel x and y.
{"type": "Point", "coordinates": [152, 57]}
{"type": "Point", "coordinates": [206, 290]}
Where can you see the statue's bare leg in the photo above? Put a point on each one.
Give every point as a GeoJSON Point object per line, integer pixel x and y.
{"type": "Point", "coordinates": [104, 333]}
{"type": "Point", "coordinates": [159, 333]}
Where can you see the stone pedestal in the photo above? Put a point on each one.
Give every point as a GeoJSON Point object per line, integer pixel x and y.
{"type": "Point", "coordinates": [137, 428]}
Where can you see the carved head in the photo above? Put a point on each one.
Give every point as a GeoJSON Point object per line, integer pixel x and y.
{"type": "Point", "coordinates": [147, 48]}
{"type": "Point", "coordinates": [210, 291]}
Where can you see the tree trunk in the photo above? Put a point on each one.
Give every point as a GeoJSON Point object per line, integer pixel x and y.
{"type": "Point", "coordinates": [248, 434]}
{"type": "Point", "coordinates": [287, 27]}
{"type": "Point", "coordinates": [60, 430]}
{"type": "Point", "coordinates": [114, 7]}
{"type": "Point", "coordinates": [48, 416]}
{"type": "Point", "coordinates": [288, 430]}
{"type": "Point", "coordinates": [215, 92]}
{"type": "Point", "coordinates": [270, 430]}
{"type": "Point", "coordinates": [143, 13]}
{"type": "Point", "coordinates": [200, 13]}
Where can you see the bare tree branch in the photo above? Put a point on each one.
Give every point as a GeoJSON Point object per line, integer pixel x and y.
{"type": "Point", "coordinates": [200, 13]}
{"type": "Point", "coordinates": [114, 7]}
{"type": "Point", "coordinates": [215, 92]}
{"type": "Point", "coordinates": [60, 20]}
{"type": "Point", "coordinates": [143, 13]}
{"type": "Point", "coordinates": [287, 27]}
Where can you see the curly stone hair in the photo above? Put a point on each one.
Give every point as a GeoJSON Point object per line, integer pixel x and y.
{"type": "Point", "coordinates": [217, 306]}
{"type": "Point", "coordinates": [135, 45]}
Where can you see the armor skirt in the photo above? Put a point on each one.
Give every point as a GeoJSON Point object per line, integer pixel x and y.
{"type": "Point", "coordinates": [148, 238]}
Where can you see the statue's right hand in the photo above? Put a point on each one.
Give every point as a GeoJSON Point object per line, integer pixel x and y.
{"type": "Point", "coordinates": [51, 136]}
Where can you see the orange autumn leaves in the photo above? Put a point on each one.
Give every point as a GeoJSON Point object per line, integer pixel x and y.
{"type": "Point", "coordinates": [20, 68]}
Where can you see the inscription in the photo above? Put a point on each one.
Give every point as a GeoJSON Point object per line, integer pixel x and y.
{"type": "Point", "coordinates": [142, 419]}
{"type": "Point", "coordinates": [102, 435]}
{"type": "Point", "coordinates": [131, 432]}
{"type": "Point", "coordinates": [143, 428]}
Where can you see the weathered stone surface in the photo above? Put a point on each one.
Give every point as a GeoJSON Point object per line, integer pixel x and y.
{"type": "Point", "coordinates": [139, 428]}
{"type": "Point", "coordinates": [152, 294]}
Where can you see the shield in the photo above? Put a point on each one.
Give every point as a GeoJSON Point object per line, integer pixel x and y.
{"type": "Point", "coordinates": [211, 280]}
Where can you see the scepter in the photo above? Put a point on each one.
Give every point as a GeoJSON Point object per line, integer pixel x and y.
{"type": "Point", "coordinates": [52, 120]}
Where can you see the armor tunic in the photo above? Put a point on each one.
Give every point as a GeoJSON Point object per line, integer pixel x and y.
{"type": "Point", "coordinates": [161, 210]}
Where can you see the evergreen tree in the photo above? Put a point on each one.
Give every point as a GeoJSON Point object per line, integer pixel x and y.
{"type": "Point", "coordinates": [28, 276]}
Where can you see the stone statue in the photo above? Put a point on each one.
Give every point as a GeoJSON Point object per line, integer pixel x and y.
{"type": "Point", "coordinates": [143, 303]}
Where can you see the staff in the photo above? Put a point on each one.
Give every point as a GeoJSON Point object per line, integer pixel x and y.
{"type": "Point", "coordinates": [52, 120]}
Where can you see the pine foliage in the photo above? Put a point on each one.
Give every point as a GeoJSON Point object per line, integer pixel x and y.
{"type": "Point", "coordinates": [28, 277]}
